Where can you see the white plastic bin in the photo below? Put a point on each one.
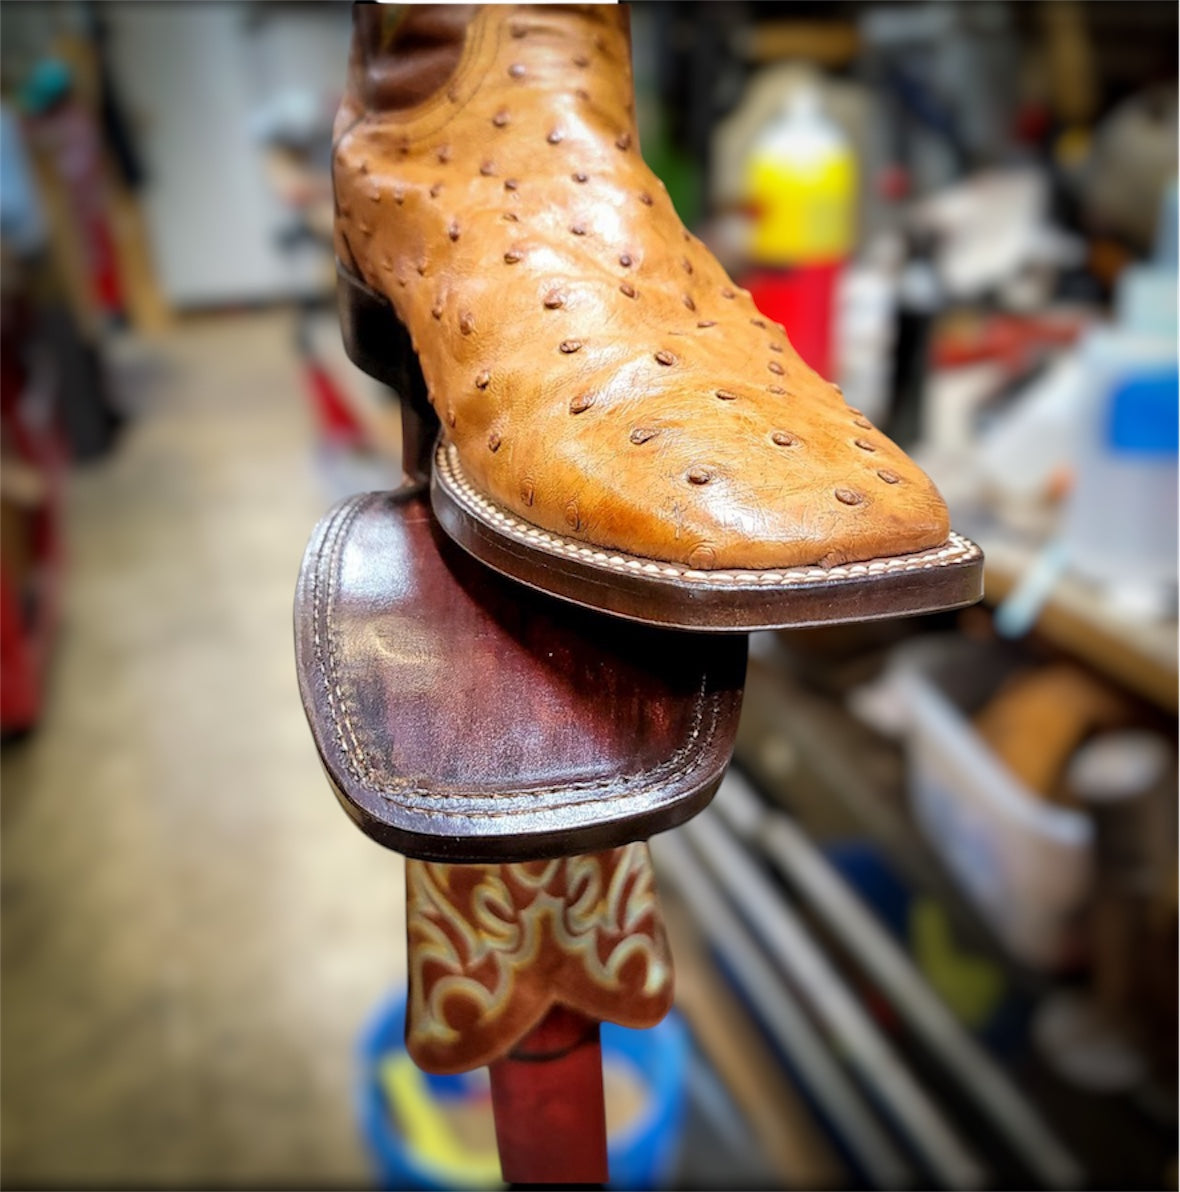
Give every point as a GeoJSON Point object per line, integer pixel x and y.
{"type": "Point", "coordinates": [1026, 864]}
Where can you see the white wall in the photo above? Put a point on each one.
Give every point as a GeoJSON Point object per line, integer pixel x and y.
{"type": "Point", "coordinates": [191, 76]}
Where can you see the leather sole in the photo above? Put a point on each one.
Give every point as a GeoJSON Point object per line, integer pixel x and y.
{"type": "Point", "coordinates": [461, 718]}
{"type": "Point", "coordinates": [652, 591]}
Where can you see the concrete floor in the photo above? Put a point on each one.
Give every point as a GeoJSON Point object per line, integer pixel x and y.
{"type": "Point", "coordinates": [193, 932]}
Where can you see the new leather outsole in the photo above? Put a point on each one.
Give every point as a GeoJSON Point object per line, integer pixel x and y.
{"type": "Point", "coordinates": [460, 718]}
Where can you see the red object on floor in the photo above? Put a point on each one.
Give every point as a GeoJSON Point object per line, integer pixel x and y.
{"type": "Point", "coordinates": [30, 593]}
{"type": "Point", "coordinates": [104, 265]}
{"type": "Point", "coordinates": [335, 421]}
{"type": "Point", "coordinates": [30, 611]}
{"type": "Point", "coordinates": [20, 691]}
{"type": "Point", "coordinates": [803, 300]}
{"type": "Point", "coordinates": [548, 1104]}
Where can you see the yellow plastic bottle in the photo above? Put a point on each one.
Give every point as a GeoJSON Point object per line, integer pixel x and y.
{"type": "Point", "coordinates": [801, 184]}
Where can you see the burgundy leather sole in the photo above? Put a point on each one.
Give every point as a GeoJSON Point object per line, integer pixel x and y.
{"type": "Point", "coordinates": [640, 589]}
{"type": "Point", "coordinates": [464, 718]}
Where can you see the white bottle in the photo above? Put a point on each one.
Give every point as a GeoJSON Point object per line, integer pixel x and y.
{"type": "Point", "coordinates": [1121, 523]}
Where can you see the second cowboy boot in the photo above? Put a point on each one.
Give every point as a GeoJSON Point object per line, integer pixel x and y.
{"type": "Point", "coordinates": [620, 426]}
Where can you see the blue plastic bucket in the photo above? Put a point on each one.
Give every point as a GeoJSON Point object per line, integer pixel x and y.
{"type": "Point", "coordinates": [642, 1156]}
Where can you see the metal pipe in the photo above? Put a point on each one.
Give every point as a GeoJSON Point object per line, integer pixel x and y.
{"type": "Point", "coordinates": [892, 970]}
{"type": "Point", "coordinates": [803, 961]}
{"type": "Point", "coordinates": [788, 1025]}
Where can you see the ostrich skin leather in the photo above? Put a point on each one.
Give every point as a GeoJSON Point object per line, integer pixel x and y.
{"type": "Point", "coordinates": [598, 372]}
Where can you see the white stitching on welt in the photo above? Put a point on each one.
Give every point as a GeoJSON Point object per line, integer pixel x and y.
{"type": "Point", "coordinates": [449, 469]}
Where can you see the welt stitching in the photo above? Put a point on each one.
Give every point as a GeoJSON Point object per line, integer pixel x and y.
{"type": "Point", "coordinates": [595, 790]}
{"type": "Point", "coordinates": [326, 539]}
{"type": "Point", "coordinates": [332, 541]}
{"type": "Point", "coordinates": [673, 763]}
{"type": "Point", "coordinates": [342, 702]}
{"type": "Point", "coordinates": [339, 707]}
{"type": "Point", "coordinates": [358, 763]}
{"type": "Point", "coordinates": [448, 469]}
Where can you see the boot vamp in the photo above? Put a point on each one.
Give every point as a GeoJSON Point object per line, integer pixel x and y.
{"type": "Point", "coordinates": [626, 453]}
{"type": "Point", "coordinates": [598, 371]}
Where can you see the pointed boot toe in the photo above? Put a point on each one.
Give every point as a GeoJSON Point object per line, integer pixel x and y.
{"type": "Point", "coordinates": [620, 426]}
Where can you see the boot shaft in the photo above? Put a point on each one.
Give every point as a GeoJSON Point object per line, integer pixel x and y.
{"type": "Point", "coordinates": [402, 55]}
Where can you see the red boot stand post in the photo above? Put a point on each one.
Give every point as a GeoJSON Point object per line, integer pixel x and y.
{"type": "Point", "coordinates": [514, 966]}
{"type": "Point", "coordinates": [530, 658]}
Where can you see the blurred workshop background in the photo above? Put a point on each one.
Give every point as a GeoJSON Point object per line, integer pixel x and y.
{"type": "Point", "coordinates": [926, 936]}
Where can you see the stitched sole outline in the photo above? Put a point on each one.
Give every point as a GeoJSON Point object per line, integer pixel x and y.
{"type": "Point", "coordinates": [328, 557]}
{"type": "Point", "coordinates": [449, 471]}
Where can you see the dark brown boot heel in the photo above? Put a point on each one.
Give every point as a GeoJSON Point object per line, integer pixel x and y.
{"type": "Point", "coordinates": [378, 344]}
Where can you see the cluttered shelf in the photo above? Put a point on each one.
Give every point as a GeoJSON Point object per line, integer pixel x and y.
{"type": "Point", "coordinates": [844, 780]}
{"type": "Point", "coordinates": [1036, 995]}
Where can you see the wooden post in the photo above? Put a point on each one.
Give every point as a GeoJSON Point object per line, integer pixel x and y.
{"type": "Point", "coordinates": [548, 1104]}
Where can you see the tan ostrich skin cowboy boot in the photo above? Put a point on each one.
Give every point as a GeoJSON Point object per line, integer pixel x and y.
{"type": "Point", "coordinates": [619, 425]}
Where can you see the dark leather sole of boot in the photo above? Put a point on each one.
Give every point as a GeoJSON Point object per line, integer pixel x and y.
{"type": "Point", "coordinates": [462, 718]}
{"type": "Point", "coordinates": [652, 591]}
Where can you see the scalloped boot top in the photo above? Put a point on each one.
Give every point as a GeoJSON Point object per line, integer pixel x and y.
{"type": "Point", "coordinates": [605, 391]}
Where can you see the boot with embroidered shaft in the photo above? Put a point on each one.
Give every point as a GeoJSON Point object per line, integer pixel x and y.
{"type": "Point", "coordinates": [620, 425]}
